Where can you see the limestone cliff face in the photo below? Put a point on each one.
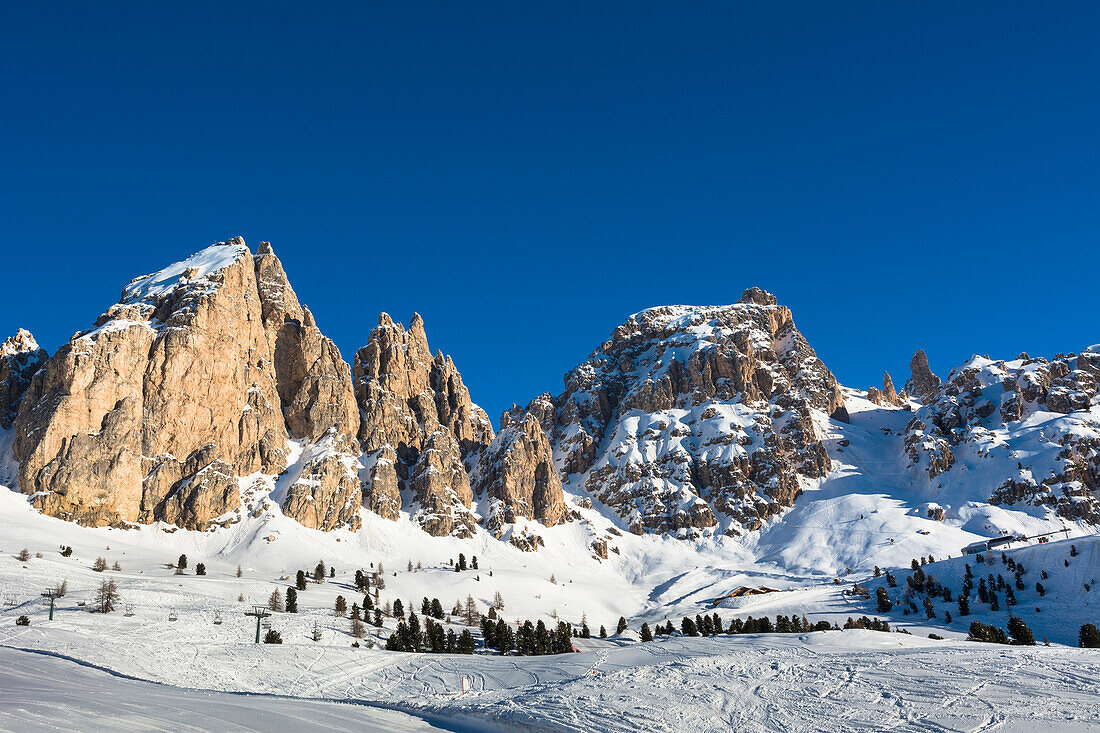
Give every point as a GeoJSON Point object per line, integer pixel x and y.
{"type": "Point", "coordinates": [692, 417]}
{"type": "Point", "coordinates": [20, 358]}
{"type": "Point", "coordinates": [517, 474]}
{"type": "Point", "coordinates": [417, 425]}
{"type": "Point", "coordinates": [197, 376]}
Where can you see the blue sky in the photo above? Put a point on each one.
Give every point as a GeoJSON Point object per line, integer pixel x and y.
{"type": "Point", "coordinates": [526, 175]}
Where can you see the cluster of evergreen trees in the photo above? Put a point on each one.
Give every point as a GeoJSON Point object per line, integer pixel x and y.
{"type": "Point", "coordinates": [1017, 630]}
{"type": "Point", "coordinates": [712, 625]}
{"type": "Point", "coordinates": [410, 638]}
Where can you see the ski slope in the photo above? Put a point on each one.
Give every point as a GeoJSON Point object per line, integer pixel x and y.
{"type": "Point", "coordinates": [46, 693]}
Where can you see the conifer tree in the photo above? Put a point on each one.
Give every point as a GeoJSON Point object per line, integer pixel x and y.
{"type": "Point", "coordinates": [1020, 632]}
{"type": "Point", "coordinates": [437, 609]}
{"type": "Point", "coordinates": [603, 632]}
{"type": "Point", "coordinates": [341, 606]}
{"type": "Point", "coordinates": [1088, 637]}
{"type": "Point", "coordinates": [319, 571]}
{"type": "Point", "coordinates": [646, 634]}
{"type": "Point", "coordinates": [200, 569]}
{"type": "Point", "coordinates": [883, 598]}
{"type": "Point", "coordinates": [621, 627]}
{"type": "Point", "coordinates": [398, 609]}
{"type": "Point", "coordinates": [275, 600]}
{"type": "Point", "coordinates": [300, 580]}
{"type": "Point", "coordinates": [291, 599]}
{"type": "Point", "coordinates": [182, 562]}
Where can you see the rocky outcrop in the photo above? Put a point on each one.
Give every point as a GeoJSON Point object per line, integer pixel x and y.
{"type": "Point", "coordinates": [922, 384]}
{"type": "Point", "coordinates": [326, 493]}
{"type": "Point", "coordinates": [973, 420]}
{"type": "Point", "coordinates": [196, 377]}
{"type": "Point", "coordinates": [20, 358]}
{"type": "Point", "coordinates": [692, 417]}
{"type": "Point", "coordinates": [517, 474]}
{"type": "Point", "coordinates": [441, 487]}
{"type": "Point", "coordinates": [418, 424]}
{"type": "Point", "coordinates": [888, 395]}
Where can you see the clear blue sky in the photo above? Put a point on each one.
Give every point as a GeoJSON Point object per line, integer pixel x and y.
{"type": "Point", "coordinates": [526, 175]}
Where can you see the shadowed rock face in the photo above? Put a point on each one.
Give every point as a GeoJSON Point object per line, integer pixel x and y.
{"type": "Point", "coordinates": [197, 376]}
{"type": "Point", "coordinates": [691, 417]}
{"type": "Point", "coordinates": [20, 358]}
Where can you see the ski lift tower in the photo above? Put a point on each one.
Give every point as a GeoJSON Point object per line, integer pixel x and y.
{"type": "Point", "coordinates": [260, 612]}
{"type": "Point", "coordinates": [52, 594]}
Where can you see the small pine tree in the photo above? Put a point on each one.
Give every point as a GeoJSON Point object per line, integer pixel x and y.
{"type": "Point", "coordinates": [300, 580]}
{"type": "Point", "coordinates": [1073, 550]}
{"type": "Point", "coordinates": [470, 614]}
{"type": "Point", "coordinates": [877, 571]}
{"type": "Point", "coordinates": [410, 566]}
{"type": "Point", "coordinates": [319, 571]}
{"type": "Point", "coordinates": [332, 572]}
{"type": "Point", "coordinates": [646, 634]}
{"type": "Point", "coordinates": [1088, 637]}
{"type": "Point", "coordinates": [291, 600]}
{"type": "Point", "coordinates": [100, 564]}
{"type": "Point", "coordinates": [273, 637]}
{"type": "Point", "coordinates": [947, 617]}
{"type": "Point", "coordinates": [883, 598]}
{"type": "Point", "coordinates": [553, 579]}
{"type": "Point", "coordinates": [964, 605]}
{"type": "Point", "coordinates": [182, 562]}
{"type": "Point", "coordinates": [341, 606]}
{"type": "Point", "coordinates": [603, 632]}
{"type": "Point", "coordinates": [378, 618]}
{"type": "Point", "coordinates": [200, 569]}
{"type": "Point", "coordinates": [24, 555]}
{"type": "Point", "coordinates": [621, 627]}
{"type": "Point", "coordinates": [116, 567]}
{"type": "Point", "coordinates": [461, 561]}
{"type": "Point", "coordinates": [437, 609]}
{"type": "Point", "coordinates": [240, 571]}
{"type": "Point", "coordinates": [498, 601]}
{"type": "Point", "coordinates": [398, 609]}
{"type": "Point", "coordinates": [473, 562]}
{"type": "Point", "coordinates": [275, 600]}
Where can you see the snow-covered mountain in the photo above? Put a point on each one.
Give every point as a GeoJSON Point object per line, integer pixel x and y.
{"type": "Point", "coordinates": [208, 397]}
{"type": "Point", "coordinates": [700, 451]}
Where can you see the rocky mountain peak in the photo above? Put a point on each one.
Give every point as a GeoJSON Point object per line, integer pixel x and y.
{"type": "Point", "coordinates": [20, 358]}
{"type": "Point", "coordinates": [196, 377]}
{"type": "Point", "coordinates": [922, 382]}
{"type": "Point", "coordinates": [758, 296]}
{"type": "Point", "coordinates": [888, 395]}
{"type": "Point", "coordinates": [688, 417]}
{"type": "Point", "coordinates": [418, 424]}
